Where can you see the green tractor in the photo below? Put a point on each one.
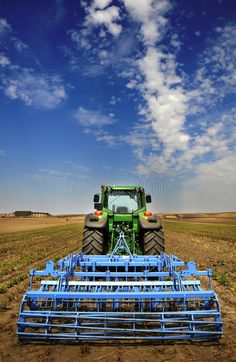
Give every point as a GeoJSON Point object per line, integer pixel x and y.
{"type": "Point", "coordinates": [122, 209]}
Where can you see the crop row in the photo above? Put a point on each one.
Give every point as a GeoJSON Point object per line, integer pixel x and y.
{"type": "Point", "coordinates": [213, 231]}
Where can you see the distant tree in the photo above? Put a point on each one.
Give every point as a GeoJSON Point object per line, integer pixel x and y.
{"type": "Point", "coordinates": [22, 213]}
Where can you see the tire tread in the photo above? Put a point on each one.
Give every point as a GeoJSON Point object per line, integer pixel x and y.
{"type": "Point", "coordinates": [92, 242]}
{"type": "Point", "coordinates": [153, 242]}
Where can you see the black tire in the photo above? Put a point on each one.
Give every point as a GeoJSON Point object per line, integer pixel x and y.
{"type": "Point", "coordinates": [153, 242]}
{"type": "Point", "coordinates": [92, 242]}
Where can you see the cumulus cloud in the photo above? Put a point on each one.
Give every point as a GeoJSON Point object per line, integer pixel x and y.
{"type": "Point", "coordinates": [106, 17]}
{"type": "Point", "coordinates": [176, 134]}
{"type": "Point", "coordinates": [99, 14]}
{"type": "Point", "coordinates": [215, 141]}
{"type": "Point", "coordinates": [166, 101]}
{"type": "Point", "coordinates": [60, 175]}
{"type": "Point", "coordinates": [216, 74]}
{"type": "Point", "coordinates": [93, 123]}
{"type": "Point", "coordinates": [165, 98]}
{"type": "Point", "coordinates": [151, 15]}
{"type": "Point", "coordinates": [37, 90]}
{"type": "Point", "coordinates": [77, 166]}
{"type": "Point", "coordinates": [91, 118]}
{"type": "Point", "coordinates": [169, 145]}
{"type": "Point", "coordinates": [213, 185]}
{"type": "Point", "coordinates": [5, 27]}
{"type": "Point", "coordinates": [59, 9]}
{"type": "Point", "coordinates": [104, 137]}
{"type": "Point", "coordinates": [115, 100]}
{"type": "Point", "coordinates": [20, 45]}
{"type": "Point", "coordinates": [4, 60]}
{"type": "Point", "coordinates": [80, 39]}
{"type": "Point", "coordinates": [216, 173]}
{"type": "Point", "coordinates": [101, 4]}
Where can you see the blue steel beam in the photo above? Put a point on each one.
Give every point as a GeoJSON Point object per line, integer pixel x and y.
{"type": "Point", "coordinates": [92, 298]}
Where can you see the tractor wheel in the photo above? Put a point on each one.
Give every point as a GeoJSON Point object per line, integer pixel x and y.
{"type": "Point", "coordinates": [153, 242]}
{"type": "Point", "coordinates": [92, 242]}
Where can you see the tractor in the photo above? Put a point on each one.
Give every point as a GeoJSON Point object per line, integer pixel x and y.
{"type": "Point", "coordinates": [122, 209]}
{"type": "Point", "coordinates": [122, 286]}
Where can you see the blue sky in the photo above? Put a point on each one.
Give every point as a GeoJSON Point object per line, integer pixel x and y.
{"type": "Point", "coordinates": [120, 92]}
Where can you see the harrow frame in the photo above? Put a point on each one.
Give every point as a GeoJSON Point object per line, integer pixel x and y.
{"type": "Point", "coordinates": [109, 297]}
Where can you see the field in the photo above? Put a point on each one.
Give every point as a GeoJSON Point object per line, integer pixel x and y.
{"type": "Point", "coordinates": [210, 245]}
{"type": "Point", "coordinates": [10, 225]}
{"type": "Point", "coordinates": [228, 218]}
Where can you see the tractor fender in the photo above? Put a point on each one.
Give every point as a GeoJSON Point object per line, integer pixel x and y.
{"type": "Point", "coordinates": [94, 222]}
{"type": "Point", "coordinates": [152, 222]}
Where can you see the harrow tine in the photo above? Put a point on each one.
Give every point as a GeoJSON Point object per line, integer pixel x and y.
{"type": "Point", "coordinates": [162, 300]}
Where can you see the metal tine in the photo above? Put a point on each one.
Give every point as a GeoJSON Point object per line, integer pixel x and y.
{"type": "Point", "coordinates": [155, 303]}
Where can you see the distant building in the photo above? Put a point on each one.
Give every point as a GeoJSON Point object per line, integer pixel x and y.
{"type": "Point", "coordinates": [40, 214]}
{"type": "Point", "coordinates": [166, 216]}
{"type": "Point", "coordinates": [2, 215]}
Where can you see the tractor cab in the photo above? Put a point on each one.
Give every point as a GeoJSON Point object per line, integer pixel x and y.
{"type": "Point", "coordinates": [122, 199]}
{"type": "Point", "coordinates": [122, 209]}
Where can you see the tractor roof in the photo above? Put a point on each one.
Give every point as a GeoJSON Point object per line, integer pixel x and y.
{"type": "Point", "coordinates": [122, 187]}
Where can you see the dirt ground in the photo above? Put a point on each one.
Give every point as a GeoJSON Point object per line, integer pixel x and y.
{"type": "Point", "coordinates": [10, 225]}
{"type": "Point", "coordinates": [212, 220]}
{"type": "Point", "coordinates": [227, 218]}
{"type": "Point", "coordinates": [218, 254]}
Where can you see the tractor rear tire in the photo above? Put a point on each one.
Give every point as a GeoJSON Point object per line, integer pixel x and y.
{"type": "Point", "coordinates": [92, 242]}
{"type": "Point", "coordinates": [153, 242]}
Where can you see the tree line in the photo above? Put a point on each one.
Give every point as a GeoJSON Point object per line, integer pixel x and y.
{"type": "Point", "coordinates": [27, 213]}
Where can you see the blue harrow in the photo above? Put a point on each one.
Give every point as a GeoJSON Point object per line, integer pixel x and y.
{"type": "Point", "coordinates": [117, 296]}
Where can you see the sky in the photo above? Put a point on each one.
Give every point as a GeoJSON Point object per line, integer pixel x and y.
{"type": "Point", "coordinates": [120, 92]}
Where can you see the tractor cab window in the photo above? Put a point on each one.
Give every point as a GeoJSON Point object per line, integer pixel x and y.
{"type": "Point", "coordinates": [123, 201]}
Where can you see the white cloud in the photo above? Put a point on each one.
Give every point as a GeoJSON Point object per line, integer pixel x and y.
{"type": "Point", "coordinates": [217, 173]}
{"type": "Point", "coordinates": [90, 118]}
{"type": "Point", "coordinates": [160, 86]}
{"type": "Point", "coordinates": [170, 146]}
{"type": "Point", "coordinates": [216, 140]}
{"type": "Point", "coordinates": [109, 139]}
{"type": "Point", "coordinates": [2, 153]}
{"type": "Point", "coordinates": [20, 45]}
{"type": "Point", "coordinates": [4, 26]}
{"type": "Point", "coordinates": [216, 75]}
{"type": "Point", "coordinates": [105, 137]}
{"type": "Point", "coordinates": [77, 166]}
{"type": "Point", "coordinates": [166, 99]}
{"type": "Point", "coordinates": [114, 100]}
{"type": "Point", "coordinates": [106, 17]}
{"type": "Point", "coordinates": [175, 42]}
{"type": "Point", "coordinates": [177, 133]}
{"type": "Point", "coordinates": [57, 175]}
{"type": "Point", "coordinates": [132, 84]}
{"type": "Point", "coordinates": [4, 61]}
{"type": "Point", "coordinates": [151, 15]}
{"type": "Point", "coordinates": [212, 187]}
{"type": "Point", "coordinates": [37, 90]}
{"type": "Point", "coordinates": [101, 4]}
{"type": "Point", "coordinates": [59, 9]}
{"type": "Point", "coordinates": [79, 37]}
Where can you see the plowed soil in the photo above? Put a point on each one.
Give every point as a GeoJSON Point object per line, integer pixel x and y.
{"type": "Point", "coordinates": [19, 252]}
{"type": "Point", "coordinates": [10, 225]}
